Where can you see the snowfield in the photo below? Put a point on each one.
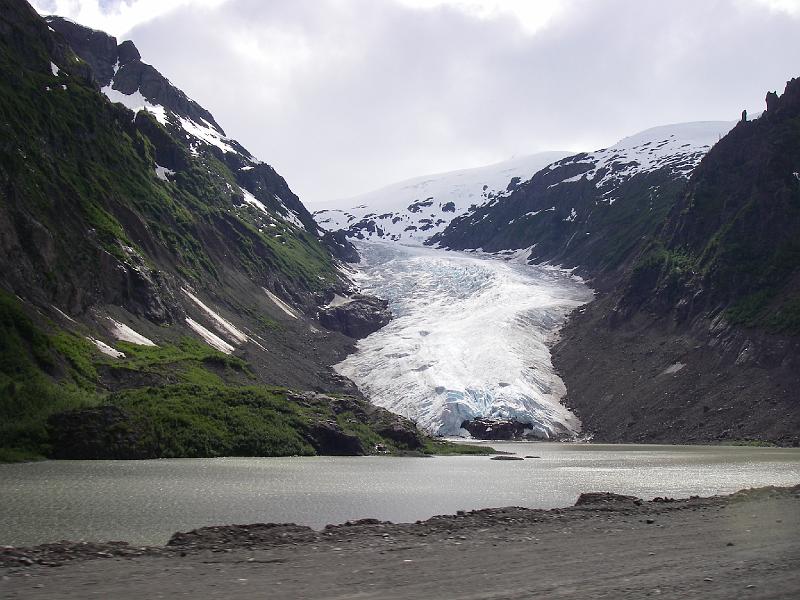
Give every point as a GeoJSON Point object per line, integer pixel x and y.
{"type": "Point", "coordinates": [679, 148]}
{"type": "Point", "coordinates": [414, 210]}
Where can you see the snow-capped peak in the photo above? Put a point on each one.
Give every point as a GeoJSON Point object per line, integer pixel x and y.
{"type": "Point", "coordinates": [412, 211]}
{"type": "Point", "coordinates": [678, 147]}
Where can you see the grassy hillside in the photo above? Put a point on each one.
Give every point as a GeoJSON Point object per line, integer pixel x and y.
{"type": "Point", "coordinates": [92, 231]}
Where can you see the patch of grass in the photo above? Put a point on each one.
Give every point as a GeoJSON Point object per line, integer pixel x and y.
{"type": "Point", "coordinates": [369, 438]}
{"type": "Point", "coordinates": [758, 309]}
{"type": "Point", "coordinates": [28, 395]}
{"type": "Point", "coordinates": [12, 455]}
{"type": "Point", "coordinates": [80, 354]}
{"type": "Point", "coordinates": [205, 421]}
{"type": "Point", "coordinates": [188, 360]}
{"type": "Point", "coordinates": [752, 443]}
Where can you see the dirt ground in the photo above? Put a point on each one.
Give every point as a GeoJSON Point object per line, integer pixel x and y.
{"type": "Point", "coordinates": [746, 545]}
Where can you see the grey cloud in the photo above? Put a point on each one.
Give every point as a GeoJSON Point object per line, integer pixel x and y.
{"type": "Point", "coordinates": [387, 92]}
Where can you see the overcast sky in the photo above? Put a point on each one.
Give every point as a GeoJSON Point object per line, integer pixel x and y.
{"type": "Point", "coordinates": [344, 96]}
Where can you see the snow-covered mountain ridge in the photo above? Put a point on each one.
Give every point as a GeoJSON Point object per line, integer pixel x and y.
{"type": "Point", "coordinates": [593, 208]}
{"type": "Point", "coordinates": [677, 148]}
{"type": "Point", "coordinates": [413, 210]}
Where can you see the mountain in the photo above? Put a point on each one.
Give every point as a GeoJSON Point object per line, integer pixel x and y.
{"type": "Point", "coordinates": [155, 277]}
{"type": "Point", "coordinates": [700, 341]}
{"type": "Point", "coordinates": [591, 209]}
{"type": "Point", "coordinates": [690, 235]}
{"type": "Point", "coordinates": [412, 211]}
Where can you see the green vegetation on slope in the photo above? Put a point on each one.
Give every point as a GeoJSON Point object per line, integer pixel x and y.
{"type": "Point", "coordinates": [202, 411]}
{"type": "Point", "coordinates": [28, 392]}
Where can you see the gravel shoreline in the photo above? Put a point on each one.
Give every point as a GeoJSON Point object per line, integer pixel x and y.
{"type": "Point", "coordinates": [662, 541]}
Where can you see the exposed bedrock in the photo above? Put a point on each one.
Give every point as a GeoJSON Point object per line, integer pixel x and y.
{"type": "Point", "coordinates": [495, 429]}
{"type": "Point", "coordinates": [357, 318]}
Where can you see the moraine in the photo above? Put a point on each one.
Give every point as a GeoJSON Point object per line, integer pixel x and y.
{"type": "Point", "coordinates": [469, 338]}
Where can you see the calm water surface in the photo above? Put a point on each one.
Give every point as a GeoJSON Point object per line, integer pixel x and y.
{"type": "Point", "coordinates": [144, 502]}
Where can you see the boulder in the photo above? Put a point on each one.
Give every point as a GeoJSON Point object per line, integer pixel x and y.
{"type": "Point", "coordinates": [494, 429]}
{"type": "Point", "coordinates": [329, 439]}
{"type": "Point", "coordinates": [357, 318]}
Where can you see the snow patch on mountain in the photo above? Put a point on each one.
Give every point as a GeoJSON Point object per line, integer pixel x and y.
{"type": "Point", "coordinates": [136, 102]}
{"type": "Point", "coordinates": [223, 325]}
{"type": "Point", "coordinates": [412, 211]}
{"type": "Point", "coordinates": [281, 304]}
{"type": "Point", "coordinates": [679, 148]}
{"type": "Point", "coordinates": [210, 338]}
{"type": "Point", "coordinates": [125, 333]}
{"type": "Point", "coordinates": [106, 349]}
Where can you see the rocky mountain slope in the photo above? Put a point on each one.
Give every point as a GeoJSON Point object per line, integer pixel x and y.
{"type": "Point", "coordinates": [691, 238]}
{"type": "Point", "coordinates": [701, 339]}
{"type": "Point", "coordinates": [141, 248]}
{"type": "Point", "coordinates": [591, 209]}
{"type": "Point", "coordinates": [412, 211]}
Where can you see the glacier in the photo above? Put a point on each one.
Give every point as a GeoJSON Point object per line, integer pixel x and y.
{"type": "Point", "coordinates": [469, 338]}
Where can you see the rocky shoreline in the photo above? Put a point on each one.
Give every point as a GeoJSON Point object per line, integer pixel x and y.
{"type": "Point", "coordinates": [743, 545]}
{"type": "Point", "coordinates": [227, 538]}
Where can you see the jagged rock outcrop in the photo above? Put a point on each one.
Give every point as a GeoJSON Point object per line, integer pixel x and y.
{"type": "Point", "coordinates": [494, 429]}
{"type": "Point", "coordinates": [358, 317]}
{"type": "Point", "coordinates": [120, 66]}
{"type": "Point", "coordinates": [328, 438]}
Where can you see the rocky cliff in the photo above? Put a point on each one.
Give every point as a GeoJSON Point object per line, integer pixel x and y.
{"type": "Point", "coordinates": [700, 341]}
{"type": "Point", "coordinates": [140, 246]}
{"type": "Point", "coordinates": [693, 245]}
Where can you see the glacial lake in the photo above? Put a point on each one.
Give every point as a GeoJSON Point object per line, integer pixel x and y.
{"type": "Point", "coordinates": [144, 502]}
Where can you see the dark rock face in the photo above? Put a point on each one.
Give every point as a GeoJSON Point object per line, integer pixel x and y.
{"type": "Point", "coordinates": [102, 53]}
{"type": "Point", "coordinates": [106, 432]}
{"type": "Point", "coordinates": [329, 439]}
{"type": "Point", "coordinates": [402, 435]}
{"type": "Point", "coordinates": [494, 429]}
{"type": "Point", "coordinates": [340, 246]}
{"type": "Point", "coordinates": [700, 341]}
{"type": "Point", "coordinates": [358, 318]}
{"type": "Point", "coordinates": [97, 48]}
{"type": "Point", "coordinates": [127, 52]}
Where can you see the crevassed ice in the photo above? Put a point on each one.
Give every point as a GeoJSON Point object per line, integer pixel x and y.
{"type": "Point", "coordinates": [469, 338]}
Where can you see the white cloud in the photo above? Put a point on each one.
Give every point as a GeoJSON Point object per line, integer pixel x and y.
{"type": "Point", "coordinates": [533, 15]}
{"type": "Point", "coordinates": [117, 17]}
{"type": "Point", "coordinates": [343, 96]}
{"type": "Point", "coordinates": [788, 6]}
